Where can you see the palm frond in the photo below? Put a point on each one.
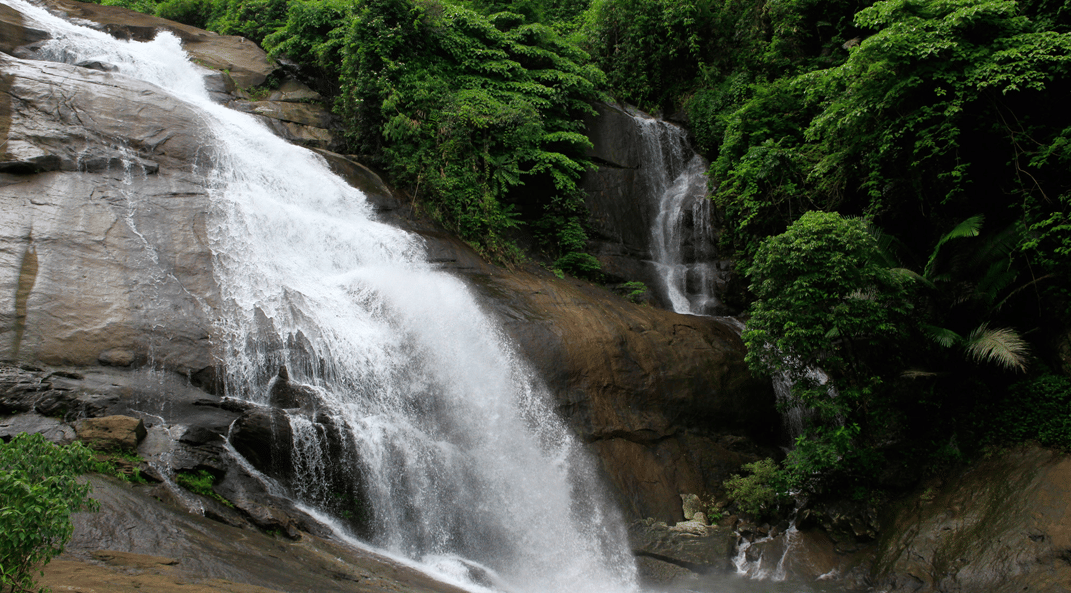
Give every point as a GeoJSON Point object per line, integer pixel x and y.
{"type": "Point", "coordinates": [999, 246]}
{"type": "Point", "coordinates": [997, 277]}
{"type": "Point", "coordinates": [943, 336]}
{"type": "Point", "coordinates": [889, 247]}
{"type": "Point", "coordinates": [968, 228]}
{"type": "Point", "coordinates": [912, 274]}
{"type": "Point", "coordinates": [1002, 346]}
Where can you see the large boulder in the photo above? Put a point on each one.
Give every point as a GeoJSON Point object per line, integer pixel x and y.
{"type": "Point", "coordinates": [112, 433]}
{"type": "Point", "coordinates": [1002, 525]}
{"type": "Point", "coordinates": [698, 548]}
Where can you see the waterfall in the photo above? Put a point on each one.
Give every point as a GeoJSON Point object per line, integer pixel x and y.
{"type": "Point", "coordinates": [683, 238]}
{"type": "Point", "coordinates": [449, 439]}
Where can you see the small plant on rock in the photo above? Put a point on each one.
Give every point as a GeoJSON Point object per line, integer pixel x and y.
{"type": "Point", "coordinates": [633, 291]}
{"type": "Point", "coordinates": [201, 482]}
{"type": "Point", "coordinates": [38, 493]}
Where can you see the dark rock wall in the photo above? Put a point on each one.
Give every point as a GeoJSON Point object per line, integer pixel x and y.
{"type": "Point", "coordinates": [618, 197]}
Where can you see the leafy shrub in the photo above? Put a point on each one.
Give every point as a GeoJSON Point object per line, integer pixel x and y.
{"type": "Point", "coordinates": [760, 493]}
{"type": "Point", "coordinates": [313, 34]}
{"type": "Point", "coordinates": [122, 465]}
{"type": "Point", "coordinates": [1037, 409]}
{"type": "Point", "coordinates": [195, 13]}
{"type": "Point", "coordinates": [824, 299]}
{"type": "Point", "coordinates": [38, 493]}
{"type": "Point", "coordinates": [255, 19]}
{"type": "Point", "coordinates": [652, 50]}
{"type": "Point", "coordinates": [634, 291]}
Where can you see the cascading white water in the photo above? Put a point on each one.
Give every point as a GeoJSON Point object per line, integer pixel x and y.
{"type": "Point", "coordinates": [455, 443]}
{"type": "Point", "coordinates": [677, 179]}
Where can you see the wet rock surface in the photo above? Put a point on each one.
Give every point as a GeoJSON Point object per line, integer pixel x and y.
{"type": "Point", "coordinates": [623, 206]}
{"type": "Point", "coordinates": [78, 283]}
{"type": "Point", "coordinates": [246, 63]}
{"type": "Point", "coordinates": [1002, 525]}
{"type": "Point", "coordinates": [690, 545]}
{"type": "Point", "coordinates": [158, 547]}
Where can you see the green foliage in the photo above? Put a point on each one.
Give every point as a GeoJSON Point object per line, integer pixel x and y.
{"type": "Point", "coordinates": [255, 19]}
{"type": "Point", "coordinates": [195, 13]}
{"type": "Point", "coordinates": [714, 513]}
{"type": "Point", "coordinates": [823, 299]}
{"type": "Point", "coordinates": [967, 283]}
{"type": "Point", "coordinates": [760, 493]}
{"type": "Point", "coordinates": [1035, 409]}
{"type": "Point", "coordinates": [833, 455]}
{"type": "Point", "coordinates": [122, 465]}
{"type": "Point", "coordinates": [38, 493]}
{"type": "Point", "coordinates": [314, 34]}
{"type": "Point", "coordinates": [201, 482]}
{"type": "Point", "coordinates": [465, 109]}
{"type": "Point", "coordinates": [250, 18]}
{"type": "Point", "coordinates": [652, 50]}
{"type": "Point", "coordinates": [634, 291]}
{"type": "Point", "coordinates": [660, 53]}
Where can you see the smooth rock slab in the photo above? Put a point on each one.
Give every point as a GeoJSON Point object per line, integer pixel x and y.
{"type": "Point", "coordinates": [52, 429]}
{"type": "Point", "coordinates": [85, 276]}
{"type": "Point", "coordinates": [131, 522]}
{"type": "Point", "coordinates": [1002, 525]}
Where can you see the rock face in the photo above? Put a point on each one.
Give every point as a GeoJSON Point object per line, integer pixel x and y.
{"type": "Point", "coordinates": [1003, 525]}
{"type": "Point", "coordinates": [78, 280]}
{"type": "Point", "coordinates": [617, 197]}
{"type": "Point", "coordinates": [136, 535]}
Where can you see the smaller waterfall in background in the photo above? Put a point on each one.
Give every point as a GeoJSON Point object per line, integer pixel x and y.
{"type": "Point", "coordinates": [683, 235]}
